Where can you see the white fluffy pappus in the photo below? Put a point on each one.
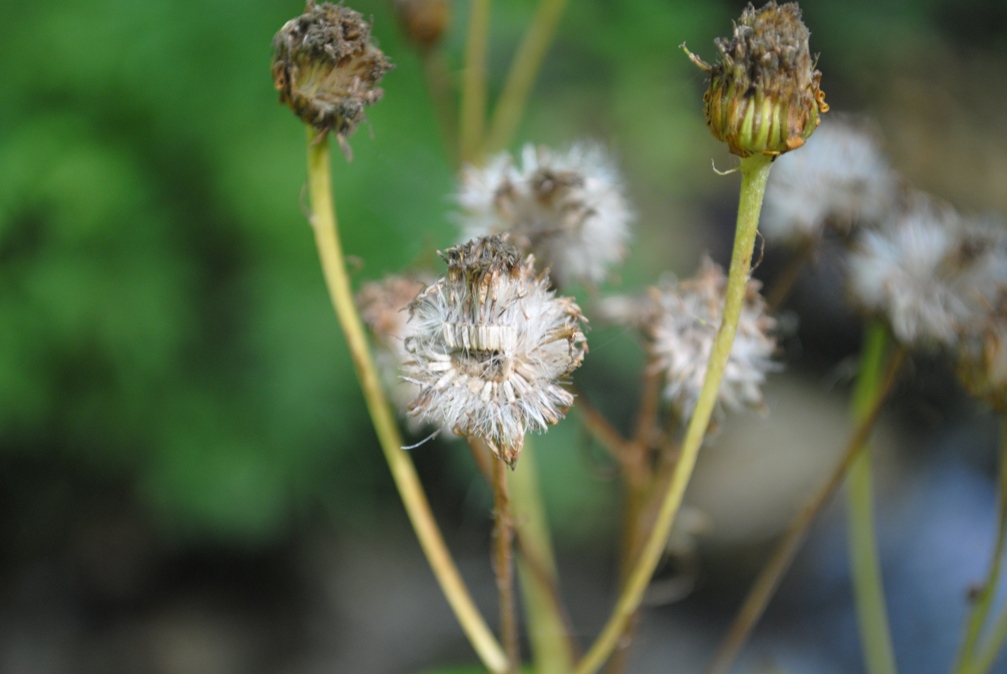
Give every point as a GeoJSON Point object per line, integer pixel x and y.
{"type": "Point", "coordinates": [839, 179]}
{"type": "Point", "coordinates": [681, 335]}
{"type": "Point", "coordinates": [490, 343]}
{"type": "Point", "coordinates": [566, 208]}
{"type": "Point", "coordinates": [932, 273]}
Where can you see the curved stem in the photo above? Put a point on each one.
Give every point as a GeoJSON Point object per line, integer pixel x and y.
{"type": "Point", "coordinates": [754, 173]}
{"type": "Point", "coordinates": [968, 662]}
{"type": "Point", "coordinates": [524, 69]}
{"type": "Point", "coordinates": [865, 567]}
{"type": "Point", "coordinates": [772, 573]}
{"type": "Point", "coordinates": [548, 628]}
{"type": "Point", "coordinates": [503, 567]}
{"type": "Point", "coordinates": [473, 112]}
{"type": "Point", "coordinates": [323, 222]}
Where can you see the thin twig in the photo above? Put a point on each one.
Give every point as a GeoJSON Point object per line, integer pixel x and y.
{"type": "Point", "coordinates": [323, 223]}
{"type": "Point", "coordinates": [473, 98]}
{"type": "Point", "coordinates": [772, 573]}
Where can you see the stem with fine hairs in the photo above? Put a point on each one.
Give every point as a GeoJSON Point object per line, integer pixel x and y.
{"type": "Point", "coordinates": [323, 223]}
{"type": "Point", "coordinates": [754, 173]}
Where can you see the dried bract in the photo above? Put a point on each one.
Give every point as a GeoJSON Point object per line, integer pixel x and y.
{"type": "Point", "coordinates": [568, 209]}
{"type": "Point", "coordinates": [841, 179]}
{"type": "Point", "coordinates": [326, 68]}
{"type": "Point", "coordinates": [764, 94]}
{"type": "Point", "coordinates": [490, 345]}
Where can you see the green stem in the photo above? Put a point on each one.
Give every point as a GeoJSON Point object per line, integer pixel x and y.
{"type": "Point", "coordinates": [503, 567]}
{"type": "Point", "coordinates": [868, 590]}
{"type": "Point", "coordinates": [439, 86]}
{"type": "Point", "coordinates": [969, 662]}
{"type": "Point", "coordinates": [547, 623]}
{"type": "Point", "coordinates": [473, 105]}
{"type": "Point", "coordinates": [754, 173]}
{"type": "Point", "coordinates": [323, 222]}
{"type": "Point", "coordinates": [524, 69]}
{"type": "Point", "coordinates": [769, 578]}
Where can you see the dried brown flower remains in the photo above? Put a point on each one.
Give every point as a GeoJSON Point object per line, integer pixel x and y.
{"type": "Point", "coordinates": [326, 68]}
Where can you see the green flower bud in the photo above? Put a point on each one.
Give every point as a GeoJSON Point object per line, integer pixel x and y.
{"type": "Point", "coordinates": [326, 68]}
{"type": "Point", "coordinates": [764, 94]}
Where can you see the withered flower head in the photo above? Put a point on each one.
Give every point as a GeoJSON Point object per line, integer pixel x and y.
{"type": "Point", "coordinates": [764, 95]}
{"type": "Point", "coordinates": [384, 309]}
{"type": "Point", "coordinates": [326, 68]}
{"type": "Point", "coordinates": [423, 21]}
{"type": "Point", "coordinates": [490, 343]}
{"type": "Point", "coordinates": [982, 365]}
{"type": "Point", "coordinates": [931, 272]}
{"type": "Point", "coordinates": [567, 208]}
{"type": "Point", "coordinates": [684, 327]}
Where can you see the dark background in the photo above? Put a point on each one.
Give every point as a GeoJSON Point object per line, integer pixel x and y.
{"type": "Point", "coordinates": [187, 479]}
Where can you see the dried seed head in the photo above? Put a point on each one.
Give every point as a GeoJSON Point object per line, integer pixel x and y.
{"type": "Point", "coordinates": [680, 321]}
{"type": "Point", "coordinates": [982, 365]}
{"type": "Point", "coordinates": [567, 209]}
{"type": "Point", "coordinates": [764, 95]}
{"type": "Point", "coordinates": [490, 344]}
{"type": "Point", "coordinates": [384, 308]}
{"type": "Point", "coordinates": [933, 274]}
{"type": "Point", "coordinates": [326, 68]}
{"type": "Point", "coordinates": [840, 180]}
{"type": "Point", "coordinates": [423, 21]}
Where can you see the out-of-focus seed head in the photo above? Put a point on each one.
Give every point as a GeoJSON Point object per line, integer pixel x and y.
{"type": "Point", "coordinates": [931, 273]}
{"type": "Point", "coordinates": [840, 180]}
{"type": "Point", "coordinates": [982, 365]}
{"type": "Point", "coordinates": [566, 208]}
{"type": "Point", "coordinates": [679, 322]}
{"type": "Point", "coordinates": [489, 347]}
{"type": "Point", "coordinates": [423, 21]}
{"type": "Point", "coordinates": [764, 94]}
{"type": "Point", "coordinates": [384, 308]}
{"type": "Point", "coordinates": [326, 68]}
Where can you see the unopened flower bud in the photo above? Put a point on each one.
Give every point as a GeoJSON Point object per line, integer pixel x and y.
{"type": "Point", "coordinates": [764, 94]}
{"type": "Point", "coordinates": [423, 21]}
{"type": "Point", "coordinates": [326, 68]}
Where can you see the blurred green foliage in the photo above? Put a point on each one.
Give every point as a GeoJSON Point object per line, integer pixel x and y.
{"type": "Point", "coordinates": [162, 315]}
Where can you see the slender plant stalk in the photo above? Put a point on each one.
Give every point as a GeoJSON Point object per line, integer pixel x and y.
{"type": "Point", "coordinates": [548, 631]}
{"type": "Point", "coordinates": [754, 173]}
{"type": "Point", "coordinates": [865, 567]}
{"type": "Point", "coordinates": [772, 573]}
{"type": "Point", "coordinates": [523, 72]}
{"type": "Point", "coordinates": [323, 222]}
{"type": "Point", "coordinates": [503, 566]}
{"type": "Point", "coordinates": [969, 661]}
{"type": "Point", "coordinates": [601, 429]}
{"type": "Point", "coordinates": [473, 104]}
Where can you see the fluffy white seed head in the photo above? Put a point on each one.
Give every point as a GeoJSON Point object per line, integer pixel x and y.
{"type": "Point", "coordinates": [568, 209]}
{"type": "Point", "coordinates": [489, 346]}
{"type": "Point", "coordinates": [680, 321]}
{"type": "Point", "coordinates": [838, 180]}
{"type": "Point", "coordinates": [933, 274]}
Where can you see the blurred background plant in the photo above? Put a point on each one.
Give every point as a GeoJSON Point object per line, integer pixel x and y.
{"type": "Point", "coordinates": [178, 416]}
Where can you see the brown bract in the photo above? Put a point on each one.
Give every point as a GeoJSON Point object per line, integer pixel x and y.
{"type": "Point", "coordinates": [764, 95]}
{"type": "Point", "coordinates": [327, 70]}
{"type": "Point", "coordinates": [423, 21]}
